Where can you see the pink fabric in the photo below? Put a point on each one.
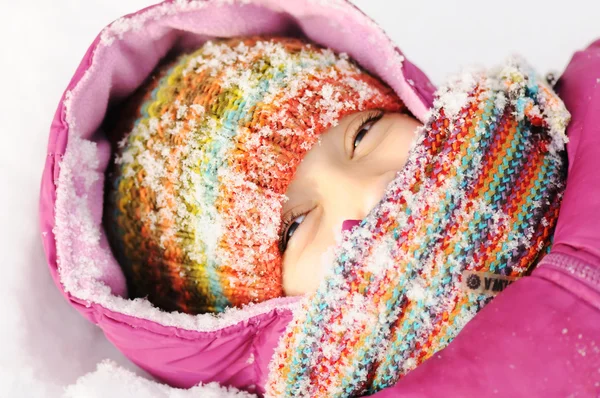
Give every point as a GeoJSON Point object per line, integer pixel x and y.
{"type": "Point", "coordinates": [116, 63]}
{"type": "Point", "coordinates": [541, 336]}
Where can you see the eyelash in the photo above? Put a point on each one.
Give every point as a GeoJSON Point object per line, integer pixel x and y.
{"type": "Point", "coordinates": [287, 222]}
{"type": "Point", "coordinates": [372, 116]}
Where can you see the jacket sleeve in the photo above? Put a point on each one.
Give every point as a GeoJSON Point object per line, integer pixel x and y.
{"type": "Point", "coordinates": [578, 229]}
{"type": "Point", "coordinates": [541, 336]}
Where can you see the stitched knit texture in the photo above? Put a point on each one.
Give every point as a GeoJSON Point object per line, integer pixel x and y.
{"type": "Point", "coordinates": [478, 198]}
{"type": "Point", "coordinates": [194, 205]}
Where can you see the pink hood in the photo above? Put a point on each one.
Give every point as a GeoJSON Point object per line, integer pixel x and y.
{"type": "Point", "coordinates": [235, 347]}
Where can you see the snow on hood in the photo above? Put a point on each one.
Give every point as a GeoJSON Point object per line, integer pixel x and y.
{"type": "Point", "coordinates": [118, 61]}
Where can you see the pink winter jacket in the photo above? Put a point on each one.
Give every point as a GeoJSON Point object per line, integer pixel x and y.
{"type": "Point", "coordinates": [540, 337]}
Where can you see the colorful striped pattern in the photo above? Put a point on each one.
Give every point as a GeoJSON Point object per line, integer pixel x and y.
{"type": "Point", "coordinates": [194, 209]}
{"type": "Point", "coordinates": [480, 193]}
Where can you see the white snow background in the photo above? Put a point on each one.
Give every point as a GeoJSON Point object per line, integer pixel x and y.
{"type": "Point", "coordinates": [45, 345]}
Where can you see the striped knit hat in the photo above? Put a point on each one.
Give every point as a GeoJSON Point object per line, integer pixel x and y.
{"type": "Point", "coordinates": [473, 210]}
{"type": "Point", "coordinates": [194, 203]}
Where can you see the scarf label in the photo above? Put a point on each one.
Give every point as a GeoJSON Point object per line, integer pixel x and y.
{"type": "Point", "coordinates": [485, 282]}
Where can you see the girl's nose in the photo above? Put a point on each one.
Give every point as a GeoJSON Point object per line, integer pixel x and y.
{"type": "Point", "coordinates": [349, 224]}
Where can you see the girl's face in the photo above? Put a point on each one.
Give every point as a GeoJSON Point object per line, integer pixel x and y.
{"type": "Point", "coordinates": [341, 178]}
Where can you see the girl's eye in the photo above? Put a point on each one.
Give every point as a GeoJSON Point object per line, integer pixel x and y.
{"type": "Point", "coordinates": [365, 125]}
{"type": "Point", "coordinates": [364, 129]}
{"type": "Point", "coordinates": [289, 231]}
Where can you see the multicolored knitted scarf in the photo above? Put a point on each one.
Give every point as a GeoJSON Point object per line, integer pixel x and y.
{"type": "Point", "coordinates": [473, 210]}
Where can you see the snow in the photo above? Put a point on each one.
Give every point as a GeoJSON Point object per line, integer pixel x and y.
{"type": "Point", "coordinates": [45, 345]}
{"type": "Point", "coordinates": [110, 380]}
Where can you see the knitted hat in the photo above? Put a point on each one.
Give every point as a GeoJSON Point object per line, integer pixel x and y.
{"type": "Point", "coordinates": [194, 203]}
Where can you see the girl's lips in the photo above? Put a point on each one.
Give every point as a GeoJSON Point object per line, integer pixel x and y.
{"type": "Point", "coordinates": [349, 224]}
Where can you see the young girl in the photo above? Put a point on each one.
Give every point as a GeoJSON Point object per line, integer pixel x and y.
{"type": "Point", "coordinates": [248, 159]}
{"type": "Point", "coordinates": [221, 200]}
{"type": "Point", "coordinates": [220, 184]}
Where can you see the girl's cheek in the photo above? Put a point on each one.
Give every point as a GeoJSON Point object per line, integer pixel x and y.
{"type": "Point", "coordinates": [303, 271]}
